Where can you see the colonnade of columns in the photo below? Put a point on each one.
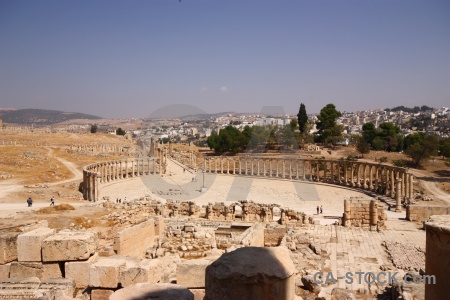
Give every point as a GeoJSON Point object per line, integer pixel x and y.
{"type": "Point", "coordinates": [95, 174]}
{"type": "Point", "coordinates": [382, 179]}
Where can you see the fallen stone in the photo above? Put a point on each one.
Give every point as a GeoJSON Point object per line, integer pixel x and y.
{"type": "Point", "coordinates": [101, 294]}
{"type": "Point", "coordinates": [145, 291]}
{"type": "Point", "coordinates": [68, 245]}
{"type": "Point", "coordinates": [35, 269]}
{"type": "Point", "coordinates": [191, 273]}
{"type": "Point", "coordinates": [147, 270]}
{"type": "Point", "coordinates": [105, 273]}
{"type": "Point", "coordinates": [342, 294]}
{"type": "Point", "coordinates": [8, 247]}
{"type": "Point", "coordinates": [310, 284]}
{"type": "Point", "coordinates": [20, 288]}
{"type": "Point", "coordinates": [29, 245]}
{"type": "Point", "coordinates": [79, 271]}
{"type": "Point", "coordinates": [58, 288]}
{"type": "Point", "coordinates": [4, 271]}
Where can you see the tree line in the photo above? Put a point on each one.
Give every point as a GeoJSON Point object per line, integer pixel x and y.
{"type": "Point", "coordinates": [290, 136]}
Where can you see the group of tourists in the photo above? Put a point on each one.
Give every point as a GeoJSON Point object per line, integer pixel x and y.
{"type": "Point", "coordinates": [119, 200]}
{"type": "Point", "coordinates": [30, 201]}
{"type": "Point", "coordinates": [319, 210]}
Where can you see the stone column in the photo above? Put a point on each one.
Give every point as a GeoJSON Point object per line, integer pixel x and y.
{"type": "Point", "coordinates": [345, 173]}
{"type": "Point", "coordinates": [403, 185]}
{"type": "Point", "coordinates": [97, 182]}
{"type": "Point", "coordinates": [246, 167]}
{"type": "Point", "coordinates": [365, 176]}
{"type": "Point", "coordinates": [398, 195]}
{"type": "Point", "coordinates": [392, 183]}
{"type": "Point", "coordinates": [89, 189]}
{"type": "Point", "coordinates": [347, 212]}
{"type": "Point", "coordinates": [411, 187]}
{"type": "Point", "coordinates": [331, 172]}
{"type": "Point", "coordinates": [325, 171]}
{"type": "Point", "coordinates": [138, 171]}
{"type": "Point", "coordinates": [84, 184]}
{"type": "Point", "coordinates": [373, 210]}
{"type": "Point", "coordinates": [304, 169]}
{"type": "Point", "coordinates": [252, 162]}
{"type": "Point", "coordinates": [284, 169]}
{"type": "Point", "coordinates": [276, 160]}
{"type": "Point", "coordinates": [264, 168]}
{"type": "Point", "coordinates": [358, 178]}
{"type": "Point", "coordinates": [104, 172]}
{"type": "Point", "coordinates": [228, 166]}
{"type": "Point", "coordinates": [234, 166]}
{"type": "Point", "coordinates": [318, 171]}
{"type": "Point", "coordinates": [240, 166]}
{"type": "Point", "coordinates": [270, 167]}
{"type": "Point", "coordinates": [296, 163]}
{"type": "Point", "coordinates": [257, 167]}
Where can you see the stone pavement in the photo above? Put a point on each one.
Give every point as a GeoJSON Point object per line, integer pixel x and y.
{"type": "Point", "coordinates": [359, 250]}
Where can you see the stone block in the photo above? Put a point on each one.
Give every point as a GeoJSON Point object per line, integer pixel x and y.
{"type": "Point", "coordinates": [147, 270]}
{"type": "Point", "coordinates": [101, 294]}
{"type": "Point", "coordinates": [20, 288]}
{"type": "Point", "coordinates": [68, 245]}
{"type": "Point", "coordinates": [191, 273]}
{"type": "Point", "coordinates": [35, 269]}
{"type": "Point", "coordinates": [58, 288]}
{"type": "Point", "coordinates": [79, 271]}
{"type": "Point", "coordinates": [105, 273]}
{"type": "Point", "coordinates": [8, 247]}
{"type": "Point", "coordinates": [4, 271]}
{"type": "Point", "coordinates": [29, 245]}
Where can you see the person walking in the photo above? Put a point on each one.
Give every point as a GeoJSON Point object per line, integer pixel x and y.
{"type": "Point", "coordinates": [318, 209]}
{"type": "Point", "coordinates": [52, 201]}
{"type": "Point", "coordinates": [321, 209]}
{"type": "Point", "coordinates": [30, 202]}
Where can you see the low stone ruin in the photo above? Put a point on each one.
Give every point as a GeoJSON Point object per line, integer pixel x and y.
{"type": "Point", "coordinates": [364, 213]}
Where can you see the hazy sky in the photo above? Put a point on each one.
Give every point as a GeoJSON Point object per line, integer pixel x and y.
{"type": "Point", "coordinates": [128, 58]}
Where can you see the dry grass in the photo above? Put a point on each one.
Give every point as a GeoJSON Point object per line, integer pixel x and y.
{"type": "Point", "coordinates": [55, 209]}
{"type": "Point", "coordinates": [32, 160]}
{"type": "Point", "coordinates": [85, 222]}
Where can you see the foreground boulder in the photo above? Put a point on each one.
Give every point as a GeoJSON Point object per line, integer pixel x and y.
{"type": "Point", "coordinates": [252, 273]}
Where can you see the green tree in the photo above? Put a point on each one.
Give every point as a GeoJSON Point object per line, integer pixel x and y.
{"type": "Point", "coordinates": [120, 131]}
{"type": "Point", "coordinates": [445, 148]}
{"type": "Point", "coordinates": [369, 132]}
{"type": "Point", "coordinates": [328, 131]}
{"type": "Point", "coordinates": [423, 149]}
{"type": "Point", "coordinates": [302, 118]}
{"type": "Point", "coordinates": [362, 146]}
{"type": "Point", "coordinates": [94, 128]}
{"type": "Point", "coordinates": [229, 139]}
{"type": "Point", "coordinates": [378, 143]}
{"type": "Point", "coordinates": [212, 140]}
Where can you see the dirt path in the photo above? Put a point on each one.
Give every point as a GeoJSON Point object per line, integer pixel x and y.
{"type": "Point", "coordinates": [11, 186]}
{"type": "Point", "coordinates": [77, 173]}
{"type": "Point", "coordinates": [429, 183]}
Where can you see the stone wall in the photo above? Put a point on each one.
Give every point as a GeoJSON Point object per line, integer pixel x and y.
{"type": "Point", "coordinates": [437, 259]}
{"type": "Point", "coordinates": [273, 236]}
{"type": "Point", "coordinates": [419, 213]}
{"type": "Point", "coordinates": [364, 213]}
{"type": "Point", "coordinates": [135, 240]}
{"type": "Point", "coordinates": [254, 236]}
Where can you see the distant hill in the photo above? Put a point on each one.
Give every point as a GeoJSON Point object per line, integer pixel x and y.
{"type": "Point", "coordinates": [41, 116]}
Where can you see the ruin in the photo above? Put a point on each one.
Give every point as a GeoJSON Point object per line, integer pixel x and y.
{"type": "Point", "coordinates": [393, 182]}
